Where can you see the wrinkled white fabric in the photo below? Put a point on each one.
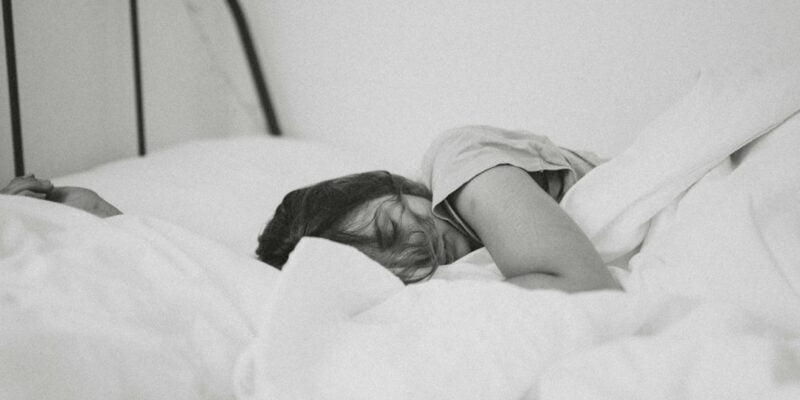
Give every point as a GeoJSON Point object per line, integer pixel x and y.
{"type": "Point", "coordinates": [124, 307]}
{"type": "Point", "coordinates": [342, 327]}
{"type": "Point", "coordinates": [725, 110]}
{"type": "Point", "coordinates": [710, 193]}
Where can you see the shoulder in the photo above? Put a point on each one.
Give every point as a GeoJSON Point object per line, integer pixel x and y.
{"type": "Point", "coordinates": [469, 139]}
{"type": "Point", "coordinates": [481, 135]}
{"type": "Point", "coordinates": [473, 144]}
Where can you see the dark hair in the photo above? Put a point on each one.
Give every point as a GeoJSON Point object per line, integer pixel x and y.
{"type": "Point", "coordinates": [322, 210]}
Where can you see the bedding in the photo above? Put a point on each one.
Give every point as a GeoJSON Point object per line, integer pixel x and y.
{"type": "Point", "coordinates": [124, 307]}
{"type": "Point", "coordinates": [347, 330]}
{"type": "Point", "coordinates": [157, 302]}
{"type": "Point", "coordinates": [711, 302]}
{"type": "Point", "coordinates": [709, 193]}
{"type": "Point", "coordinates": [698, 220]}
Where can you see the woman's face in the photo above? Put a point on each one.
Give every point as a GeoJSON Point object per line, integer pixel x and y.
{"type": "Point", "coordinates": [391, 216]}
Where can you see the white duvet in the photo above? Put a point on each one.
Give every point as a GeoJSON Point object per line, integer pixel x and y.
{"type": "Point", "coordinates": [125, 307]}
{"type": "Point", "coordinates": [707, 198]}
{"type": "Point", "coordinates": [709, 195]}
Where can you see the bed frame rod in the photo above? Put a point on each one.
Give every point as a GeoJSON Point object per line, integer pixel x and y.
{"type": "Point", "coordinates": [255, 67]}
{"type": "Point", "coordinates": [13, 86]}
{"type": "Point", "coordinates": [13, 89]}
{"type": "Point", "coordinates": [137, 77]}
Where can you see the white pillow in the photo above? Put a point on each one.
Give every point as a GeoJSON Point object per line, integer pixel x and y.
{"type": "Point", "coordinates": [224, 189]}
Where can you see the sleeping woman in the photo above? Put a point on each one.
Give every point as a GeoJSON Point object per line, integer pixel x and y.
{"type": "Point", "coordinates": [489, 188]}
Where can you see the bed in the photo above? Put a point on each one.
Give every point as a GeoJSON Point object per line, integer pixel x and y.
{"type": "Point", "coordinates": [698, 220]}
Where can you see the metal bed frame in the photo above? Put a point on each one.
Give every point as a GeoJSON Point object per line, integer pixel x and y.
{"type": "Point", "coordinates": [248, 47]}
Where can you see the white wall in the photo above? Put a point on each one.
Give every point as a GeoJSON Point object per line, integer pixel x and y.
{"type": "Point", "coordinates": [389, 75]}
{"type": "Point", "coordinates": [73, 60]}
{"type": "Point", "coordinates": [196, 81]}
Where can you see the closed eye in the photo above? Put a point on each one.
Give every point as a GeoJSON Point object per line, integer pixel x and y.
{"type": "Point", "coordinates": [387, 233]}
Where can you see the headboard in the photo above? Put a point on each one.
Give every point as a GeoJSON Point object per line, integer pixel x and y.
{"type": "Point", "coordinates": [16, 109]}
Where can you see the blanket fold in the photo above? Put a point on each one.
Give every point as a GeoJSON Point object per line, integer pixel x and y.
{"type": "Point", "coordinates": [726, 109]}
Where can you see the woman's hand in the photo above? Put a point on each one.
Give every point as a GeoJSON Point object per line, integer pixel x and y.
{"type": "Point", "coordinates": [76, 197]}
{"type": "Point", "coordinates": [28, 186]}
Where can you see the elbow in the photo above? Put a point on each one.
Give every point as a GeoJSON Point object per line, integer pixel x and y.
{"type": "Point", "coordinates": [566, 283]}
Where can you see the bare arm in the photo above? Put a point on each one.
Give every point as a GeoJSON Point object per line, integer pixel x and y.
{"type": "Point", "coordinates": [534, 243]}
{"type": "Point", "coordinates": [77, 197]}
{"type": "Point", "coordinates": [83, 199]}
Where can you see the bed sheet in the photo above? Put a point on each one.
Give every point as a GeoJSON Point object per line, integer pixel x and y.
{"type": "Point", "coordinates": [341, 328]}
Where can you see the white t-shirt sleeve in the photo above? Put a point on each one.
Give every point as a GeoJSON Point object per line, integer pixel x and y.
{"type": "Point", "coordinates": [458, 155]}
